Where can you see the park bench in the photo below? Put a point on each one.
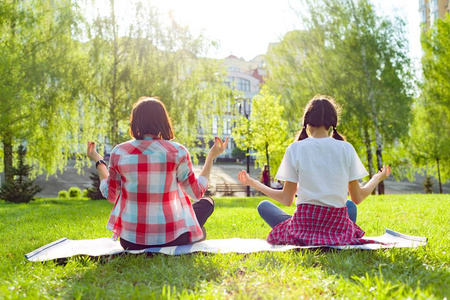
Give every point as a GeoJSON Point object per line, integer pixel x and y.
{"type": "Point", "coordinates": [228, 189]}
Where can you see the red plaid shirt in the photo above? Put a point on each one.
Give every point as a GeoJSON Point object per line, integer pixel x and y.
{"type": "Point", "coordinates": [150, 182]}
{"type": "Point", "coordinates": [315, 225]}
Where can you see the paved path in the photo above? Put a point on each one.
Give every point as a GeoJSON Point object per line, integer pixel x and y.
{"type": "Point", "coordinates": [221, 173]}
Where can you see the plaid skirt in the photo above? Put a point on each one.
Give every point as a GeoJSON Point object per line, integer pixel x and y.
{"type": "Point", "coordinates": [314, 225]}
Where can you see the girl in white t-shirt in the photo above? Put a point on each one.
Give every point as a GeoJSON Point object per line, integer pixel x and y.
{"type": "Point", "coordinates": [321, 170]}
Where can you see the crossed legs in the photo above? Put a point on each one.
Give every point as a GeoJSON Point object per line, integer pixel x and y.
{"type": "Point", "coordinates": [273, 215]}
{"type": "Point", "coordinates": [203, 209]}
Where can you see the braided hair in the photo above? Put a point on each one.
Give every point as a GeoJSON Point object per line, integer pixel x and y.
{"type": "Point", "coordinates": [321, 111]}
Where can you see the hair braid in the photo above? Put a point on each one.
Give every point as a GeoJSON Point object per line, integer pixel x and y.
{"type": "Point", "coordinates": [336, 135]}
{"type": "Point", "coordinates": [303, 134]}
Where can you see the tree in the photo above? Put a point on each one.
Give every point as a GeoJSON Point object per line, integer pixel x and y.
{"type": "Point", "coordinates": [19, 189]}
{"type": "Point", "coordinates": [359, 58]}
{"type": "Point", "coordinates": [430, 141]}
{"type": "Point", "coordinates": [38, 82]}
{"type": "Point", "coordinates": [436, 65]}
{"type": "Point", "coordinates": [151, 57]}
{"type": "Point", "coordinates": [265, 131]}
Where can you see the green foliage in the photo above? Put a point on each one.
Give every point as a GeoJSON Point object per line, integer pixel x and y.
{"type": "Point", "coordinates": [239, 153]}
{"type": "Point", "coordinates": [421, 273]}
{"type": "Point", "coordinates": [39, 72]}
{"type": "Point", "coordinates": [20, 189]}
{"type": "Point", "coordinates": [430, 141]}
{"type": "Point", "coordinates": [85, 193]}
{"type": "Point", "coordinates": [265, 131]}
{"type": "Point", "coordinates": [151, 57]}
{"type": "Point", "coordinates": [361, 59]}
{"type": "Point", "coordinates": [435, 63]}
{"type": "Point", "coordinates": [74, 192]}
{"type": "Point", "coordinates": [63, 194]}
{"type": "Point", "coordinates": [61, 72]}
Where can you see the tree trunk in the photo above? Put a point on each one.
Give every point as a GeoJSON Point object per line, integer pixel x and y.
{"type": "Point", "coordinates": [367, 143]}
{"type": "Point", "coordinates": [248, 168]}
{"type": "Point", "coordinates": [372, 102]}
{"type": "Point", "coordinates": [113, 111]}
{"type": "Point", "coordinates": [380, 165]}
{"type": "Point", "coordinates": [267, 160]}
{"type": "Point", "coordinates": [439, 175]}
{"type": "Point", "coordinates": [7, 158]}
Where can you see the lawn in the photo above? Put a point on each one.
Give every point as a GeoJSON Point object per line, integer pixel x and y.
{"type": "Point", "coordinates": [422, 273]}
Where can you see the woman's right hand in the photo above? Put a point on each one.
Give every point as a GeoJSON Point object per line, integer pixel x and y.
{"type": "Point", "coordinates": [92, 153]}
{"type": "Point", "coordinates": [244, 178]}
{"type": "Point", "coordinates": [218, 147]}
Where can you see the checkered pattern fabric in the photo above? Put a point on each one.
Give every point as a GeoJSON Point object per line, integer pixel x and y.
{"type": "Point", "coordinates": [150, 182]}
{"type": "Point", "coordinates": [314, 225]}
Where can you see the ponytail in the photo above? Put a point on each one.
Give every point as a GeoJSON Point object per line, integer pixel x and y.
{"type": "Point", "coordinates": [303, 134]}
{"type": "Point", "coordinates": [337, 136]}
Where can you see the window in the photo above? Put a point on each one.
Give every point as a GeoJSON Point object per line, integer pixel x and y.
{"type": "Point", "coordinates": [230, 82]}
{"type": "Point", "coordinates": [424, 16]}
{"type": "Point", "coordinates": [233, 69]}
{"type": "Point", "coordinates": [243, 85]}
{"type": "Point", "coordinates": [227, 125]}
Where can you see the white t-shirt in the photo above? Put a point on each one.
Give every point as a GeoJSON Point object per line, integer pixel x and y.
{"type": "Point", "coordinates": [322, 167]}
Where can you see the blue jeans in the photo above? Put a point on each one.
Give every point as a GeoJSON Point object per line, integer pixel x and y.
{"type": "Point", "coordinates": [273, 215]}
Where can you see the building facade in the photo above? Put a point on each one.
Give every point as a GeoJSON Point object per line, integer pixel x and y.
{"type": "Point", "coordinates": [247, 77]}
{"type": "Point", "coordinates": [430, 10]}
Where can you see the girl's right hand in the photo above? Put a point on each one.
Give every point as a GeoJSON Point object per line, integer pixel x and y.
{"type": "Point", "coordinates": [92, 153]}
{"type": "Point", "coordinates": [384, 173]}
{"type": "Point", "coordinates": [244, 178]}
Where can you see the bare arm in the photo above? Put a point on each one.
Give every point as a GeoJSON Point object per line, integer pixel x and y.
{"type": "Point", "coordinates": [358, 193]}
{"type": "Point", "coordinates": [217, 149]}
{"type": "Point", "coordinates": [92, 154]}
{"type": "Point", "coordinates": [284, 196]}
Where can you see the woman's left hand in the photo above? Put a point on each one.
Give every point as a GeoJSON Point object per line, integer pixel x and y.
{"type": "Point", "coordinates": [218, 147]}
{"type": "Point", "coordinates": [92, 153]}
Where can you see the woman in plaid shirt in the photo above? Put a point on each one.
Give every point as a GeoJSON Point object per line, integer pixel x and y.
{"type": "Point", "coordinates": [321, 170]}
{"type": "Point", "coordinates": [150, 181]}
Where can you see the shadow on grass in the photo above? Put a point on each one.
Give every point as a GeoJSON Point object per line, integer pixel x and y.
{"type": "Point", "coordinates": [388, 269]}
{"type": "Point", "coordinates": [146, 275]}
{"type": "Point", "coordinates": [380, 273]}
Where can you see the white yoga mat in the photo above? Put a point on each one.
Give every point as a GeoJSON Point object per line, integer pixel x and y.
{"type": "Point", "coordinates": [65, 248]}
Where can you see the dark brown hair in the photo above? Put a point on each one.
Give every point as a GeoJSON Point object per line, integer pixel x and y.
{"type": "Point", "coordinates": [149, 116]}
{"type": "Point", "coordinates": [321, 111]}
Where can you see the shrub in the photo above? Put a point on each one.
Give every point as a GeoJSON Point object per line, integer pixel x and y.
{"type": "Point", "coordinates": [19, 189]}
{"type": "Point", "coordinates": [62, 194]}
{"type": "Point", "coordinates": [74, 192]}
{"type": "Point", "coordinates": [428, 185]}
{"type": "Point", "coordinates": [239, 153]}
{"type": "Point", "coordinates": [85, 193]}
{"type": "Point", "coordinates": [94, 192]}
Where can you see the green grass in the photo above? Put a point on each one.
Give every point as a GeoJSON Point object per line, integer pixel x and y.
{"type": "Point", "coordinates": [421, 273]}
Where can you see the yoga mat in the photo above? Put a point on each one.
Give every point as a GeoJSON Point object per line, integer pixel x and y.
{"type": "Point", "coordinates": [65, 248]}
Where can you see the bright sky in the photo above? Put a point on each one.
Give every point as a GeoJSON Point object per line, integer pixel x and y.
{"type": "Point", "coordinates": [246, 27]}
